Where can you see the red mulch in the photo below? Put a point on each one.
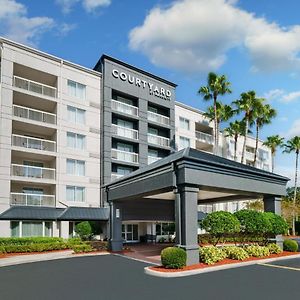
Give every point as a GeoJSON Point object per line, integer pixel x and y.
{"type": "Point", "coordinates": [6, 255]}
{"type": "Point", "coordinates": [226, 261]}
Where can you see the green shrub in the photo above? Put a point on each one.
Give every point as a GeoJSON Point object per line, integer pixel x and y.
{"type": "Point", "coordinates": [2, 249]}
{"type": "Point", "coordinates": [290, 245]}
{"type": "Point", "coordinates": [253, 222]}
{"type": "Point", "coordinates": [236, 253]}
{"type": "Point", "coordinates": [29, 240]}
{"type": "Point", "coordinates": [84, 230]}
{"type": "Point", "coordinates": [210, 255]}
{"type": "Point", "coordinates": [82, 248]}
{"type": "Point", "coordinates": [34, 247]}
{"type": "Point", "coordinates": [206, 238]}
{"type": "Point", "coordinates": [278, 224]}
{"type": "Point", "coordinates": [219, 223]}
{"type": "Point", "coordinates": [257, 251]}
{"type": "Point", "coordinates": [274, 249]}
{"type": "Point", "coordinates": [173, 258]}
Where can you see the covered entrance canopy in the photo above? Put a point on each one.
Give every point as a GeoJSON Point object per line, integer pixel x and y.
{"type": "Point", "coordinates": [175, 186]}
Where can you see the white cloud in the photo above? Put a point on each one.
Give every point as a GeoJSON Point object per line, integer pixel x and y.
{"type": "Point", "coordinates": [288, 172]}
{"type": "Point", "coordinates": [88, 5]}
{"type": "Point", "coordinates": [294, 129]}
{"type": "Point", "coordinates": [282, 96]}
{"type": "Point", "coordinates": [65, 28]}
{"type": "Point", "coordinates": [16, 25]}
{"type": "Point", "coordinates": [195, 35]}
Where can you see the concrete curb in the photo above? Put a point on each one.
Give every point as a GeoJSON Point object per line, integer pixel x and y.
{"type": "Point", "coordinates": [24, 259]}
{"type": "Point", "coordinates": [152, 272]}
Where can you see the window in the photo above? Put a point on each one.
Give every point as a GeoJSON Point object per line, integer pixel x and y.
{"type": "Point", "coordinates": [152, 109]}
{"type": "Point", "coordinates": [76, 115]}
{"type": "Point", "coordinates": [76, 89]}
{"type": "Point", "coordinates": [152, 153]}
{"type": "Point", "coordinates": [165, 228]}
{"type": "Point", "coordinates": [76, 141]}
{"type": "Point", "coordinates": [75, 194]}
{"type": "Point", "coordinates": [125, 147]}
{"type": "Point", "coordinates": [153, 131]}
{"type": "Point", "coordinates": [184, 142]}
{"type": "Point", "coordinates": [123, 170]}
{"type": "Point", "coordinates": [75, 167]}
{"type": "Point", "coordinates": [184, 123]}
{"type": "Point", "coordinates": [30, 228]}
{"type": "Point", "coordinates": [124, 123]}
{"type": "Point", "coordinates": [263, 154]}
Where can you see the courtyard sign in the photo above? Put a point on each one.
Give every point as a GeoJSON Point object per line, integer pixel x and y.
{"type": "Point", "coordinates": [153, 89]}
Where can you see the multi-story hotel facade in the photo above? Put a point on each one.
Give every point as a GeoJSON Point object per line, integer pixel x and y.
{"type": "Point", "coordinates": [66, 131]}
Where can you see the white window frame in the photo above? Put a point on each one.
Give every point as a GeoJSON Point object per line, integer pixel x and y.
{"type": "Point", "coordinates": [77, 94]}
{"type": "Point", "coordinates": [69, 108]}
{"type": "Point", "coordinates": [76, 163]}
{"type": "Point", "coordinates": [32, 221]}
{"type": "Point", "coordinates": [76, 135]}
{"type": "Point", "coordinates": [183, 138]}
{"type": "Point", "coordinates": [75, 188]}
{"type": "Point", "coordinates": [184, 123]}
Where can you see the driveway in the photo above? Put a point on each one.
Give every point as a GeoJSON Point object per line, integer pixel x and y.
{"type": "Point", "coordinates": [113, 277]}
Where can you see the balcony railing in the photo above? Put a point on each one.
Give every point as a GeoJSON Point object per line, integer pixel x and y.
{"type": "Point", "coordinates": [204, 137]}
{"type": "Point", "coordinates": [124, 108]}
{"type": "Point", "coordinates": [33, 143]}
{"type": "Point", "coordinates": [158, 140]}
{"type": "Point", "coordinates": [125, 132]}
{"type": "Point", "coordinates": [152, 159]}
{"type": "Point", "coordinates": [35, 87]}
{"type": "Point", "coordinates": [115, 176]}
{"type": "Point", "coordinates": [250, 155]}
{"type": "Point", "coordinates": [34, 114]}
{"type": "Point", "coordinates": [157, 118]}
{"type": "Point", "coordinates": [32, 172]}
{"type": "Point", "coordinates": [32, 199]}
{"type": "Point", "coordinates": [124, 156]}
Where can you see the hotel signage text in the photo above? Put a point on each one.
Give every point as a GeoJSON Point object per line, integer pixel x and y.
{"type": "Point", "coordinates": [153, 89]}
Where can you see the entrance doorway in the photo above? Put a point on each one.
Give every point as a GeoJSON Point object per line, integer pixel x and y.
{"type": "Point", "coordinates": [130, 232]}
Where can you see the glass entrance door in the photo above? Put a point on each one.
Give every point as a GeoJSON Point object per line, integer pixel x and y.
{"type": "Point", "coordinates": [130, 232]}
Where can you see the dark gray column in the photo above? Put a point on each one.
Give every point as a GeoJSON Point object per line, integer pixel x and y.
{"type": "Point", "coordinates": [273, 204]}
{"type": "Point", "coordinates": [187, 222]}
{"type": "Point", "coordinates": [177, 217]}
{"type": "Point", "coordinates": [115, 240]}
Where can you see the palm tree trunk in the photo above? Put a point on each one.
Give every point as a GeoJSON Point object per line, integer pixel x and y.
{"type": "Point", "coordinates": [215, 129]}
{"type": "Point", "coordinates": [245, 140]}
{"type": "Point", "coordinates": [235, 147]}
{"type": "Point", "coordinates": [295, 194]}
{"type": "Point", "coordinates": [273, 161]}
{"type": "Point", "coordinates": [256, 143]}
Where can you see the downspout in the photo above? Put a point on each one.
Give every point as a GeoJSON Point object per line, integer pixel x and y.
{"type": "Point", "coordinates": [177, 204]}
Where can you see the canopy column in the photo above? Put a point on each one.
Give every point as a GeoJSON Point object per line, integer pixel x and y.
{"type": "Point", "coordinates": [186, 214]}
{"type": "Point", "coordinates": [115, 240]}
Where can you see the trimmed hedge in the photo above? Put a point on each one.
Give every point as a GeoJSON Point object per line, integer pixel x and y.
{"type": "Point", "coordinates": [236, 253]}
{"type": "Point", "coordinates": [290, 245]}
{"type": "Point", "coordinates": [33, 247]}
{"type": "Point", "coordinates": [257, 251]}
{"type": "Point", "coordinates": [173, 258]}
{"type": "Point", "coordinates": [210, 255]}
{"type": "Point", "coordinates": [274, 249]}
{"type": "Point", "coordinates": [82, 248]}
{"type": "Point", "coordinates": [207, 238]}
{"type": "Point", "coordinates": [29, 240]}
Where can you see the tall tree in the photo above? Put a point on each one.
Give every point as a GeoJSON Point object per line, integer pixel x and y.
{"type": "Point", "coordinates": [263, 115]}
{"type": "Point", "coordinates": [293, 145]}
{"type": "Point", "coordinates": [235, 130]}
{"type": "Point", "coordinates": [273, 142]}
{"type": "Point", "coordinates": [247, 104]}
{"type": "Point", "coordinates": [216, 85]}
{"type": "Point", "coordinates": [224, 113]}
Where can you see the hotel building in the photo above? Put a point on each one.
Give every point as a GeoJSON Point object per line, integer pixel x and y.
{"type": "Point", "coordinates": [66, 131]}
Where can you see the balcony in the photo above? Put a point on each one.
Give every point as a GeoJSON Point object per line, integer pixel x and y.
{"type": "Point", "coordinates": [124, 108]}
{"type": "Point", "coordinates": [158, 140]}
{"type": "Point", "coordinates": [153, 159]}
{"type": "Point", "coordinates": [34, 114]}
{"type": "Point", "coordinates": [157, 118]}
{"type": "Point", "coordinates": [32, 199]}
{"type": "Point", "coordinates": [32, 172]}
{"type": "Point", "coordinates": [204, 137]}
{"type": "Point", "coordinates": [130, 157]}
{"type": "Point", "coordinates": [35, 87]}
{"type": "Point", "coordinates": [250, 155]}
{"type": "Point", "coordinates": [115, 176]}
{"type": "Point", "coordinates": [125, 132]}
{"type": "Point", "coordinates": [33, 143]}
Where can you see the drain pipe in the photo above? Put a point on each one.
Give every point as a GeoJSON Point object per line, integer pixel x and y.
{"type": "Point", "coordinates": [177, 205]}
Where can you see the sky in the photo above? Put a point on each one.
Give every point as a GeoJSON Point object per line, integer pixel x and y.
{"type": "Point", "coordinates": [255, 43]}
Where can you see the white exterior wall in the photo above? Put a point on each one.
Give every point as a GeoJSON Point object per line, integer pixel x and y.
{"type": "Point", "coordinates": [46, 68]}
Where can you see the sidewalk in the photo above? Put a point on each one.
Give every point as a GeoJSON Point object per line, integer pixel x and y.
{"type": "Point", "coordinates": [23, 259]}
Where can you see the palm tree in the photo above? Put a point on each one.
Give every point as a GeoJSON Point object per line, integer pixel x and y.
{"type": "Point", "coordinates": [216, 85]}
{"type": "Point", "coordinates": [293, 145]}
{"type": "Point", "coordinates": [263, 115]}
{"type": "Point", "coordinates": [224, 113]}
{"type": "Point", "coordinates": [247, 104]}
{"type": "Point", "coordinates": [235, 129]}
{"type": "Point", "coordinates": [273, 142]}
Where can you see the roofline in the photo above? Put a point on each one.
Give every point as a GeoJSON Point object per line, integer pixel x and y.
{"type": "Point", "coordinates": [49, 56]}
{"type": "Point", "coordinates": [115, 60]}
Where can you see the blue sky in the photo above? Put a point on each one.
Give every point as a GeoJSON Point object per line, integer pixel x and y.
{"type": "Point", "coordinates": [255, 43]}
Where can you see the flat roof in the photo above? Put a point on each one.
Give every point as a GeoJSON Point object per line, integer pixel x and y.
{"type": "Point", "coordinates": [122, 63]}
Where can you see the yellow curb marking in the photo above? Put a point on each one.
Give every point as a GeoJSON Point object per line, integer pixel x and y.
{"type": "Point", "coordinates": [280, 267]}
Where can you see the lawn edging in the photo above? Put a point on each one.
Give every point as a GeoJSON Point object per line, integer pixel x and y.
{"type": "Point", "coordinates": [150, 271]}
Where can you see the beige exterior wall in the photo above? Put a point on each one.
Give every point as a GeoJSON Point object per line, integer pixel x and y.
{"type": "Point", "coordinates": [17, 60]}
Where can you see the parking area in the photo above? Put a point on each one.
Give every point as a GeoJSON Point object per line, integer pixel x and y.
{"type": "Point", "coordinates": [113, 277]}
